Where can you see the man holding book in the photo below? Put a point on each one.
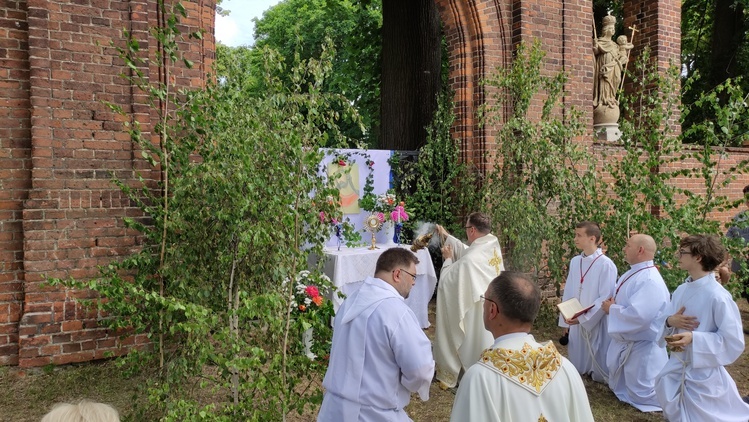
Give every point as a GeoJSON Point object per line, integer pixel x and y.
{"type": "Point", "coordinates": [589, 283]}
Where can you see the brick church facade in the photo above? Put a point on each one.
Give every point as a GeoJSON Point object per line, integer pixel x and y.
{"type": "Point", "coordinates": [60, 215]}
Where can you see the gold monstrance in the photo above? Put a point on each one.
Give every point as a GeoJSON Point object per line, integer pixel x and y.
{"type": "Point", "coordinates": [373, 225]}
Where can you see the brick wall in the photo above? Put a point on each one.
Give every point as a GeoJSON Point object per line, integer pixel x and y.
{"type": "Point", "coordinates": [61, 215]}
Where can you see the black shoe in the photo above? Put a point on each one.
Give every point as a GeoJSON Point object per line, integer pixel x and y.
{"type": "Point", "coordinates": [746, 331]}
{"type": "Point", "coordinates": [746, 399]}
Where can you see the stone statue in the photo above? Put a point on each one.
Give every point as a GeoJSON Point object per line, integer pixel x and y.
{"type": "Point", "coordinates": [610, 60]}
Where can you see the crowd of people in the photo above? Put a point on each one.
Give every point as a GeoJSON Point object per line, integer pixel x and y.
{"type": "Point", "coordinates": [656, 351]}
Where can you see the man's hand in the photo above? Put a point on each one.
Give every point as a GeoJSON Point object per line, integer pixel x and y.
{"type": "Point", "coordinates": [572, 321]}
{"type": "Point", "coordinates": [441, 230]}
{"type": "Point", "coordinates": [682, 322]}
{"type": "Point", "coordinates": [677, 342]}
{"type": "Point", "coordinates": [447, 252]}
{"type": "Point", "coordinates": [607, 304]}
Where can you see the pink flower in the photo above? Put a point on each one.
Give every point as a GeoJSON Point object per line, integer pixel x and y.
{"type": "Point", "coordinates": [399, 211]}
{"type": "Point", "coordinates": [312, 291]}
{"type": "Point", "coordinates": [341, 163]}
{"type": "Point", "coordinates": [322, 216]}
{"type": "Point", "coordinates": [381, 217]}
{"type": "Point", "coordinates": [333, 221]}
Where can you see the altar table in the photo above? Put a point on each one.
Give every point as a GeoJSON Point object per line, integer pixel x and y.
{"type": "Point", "coordinates": [349, 267]}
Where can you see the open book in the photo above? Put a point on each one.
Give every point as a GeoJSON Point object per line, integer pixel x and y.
{"type": "Point", "coordinates": [571, 309]}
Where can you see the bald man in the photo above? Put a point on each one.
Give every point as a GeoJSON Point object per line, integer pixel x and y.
{"type": "Point", "coordinates": [639, 298]}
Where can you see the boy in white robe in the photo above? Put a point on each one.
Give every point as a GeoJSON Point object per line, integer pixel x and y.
{"type": "Point", "coordinates": [703, 331]}
{"type": "Point", "coordinates": [519, 379]}
{"type": "Point", "coordinates": [591, 280]}
{"type": "Point", "coordinates": [460, 336]}
{"type": "Point", "coordinates": [379, 355]}
{"type": "Point", "coordinates": [640, 297]}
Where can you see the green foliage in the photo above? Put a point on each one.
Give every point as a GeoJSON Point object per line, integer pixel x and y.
{"type": "Point", "coordinates": [444, 188]}
{"type": "Point", "coordinates": [233, 218]}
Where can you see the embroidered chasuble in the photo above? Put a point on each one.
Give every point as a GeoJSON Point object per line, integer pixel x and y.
{"type": "Point", "coordinates": [460, 336]}
{"type": "Point", "coordinates": [694, 385]}
{"type": "Point", "coordinates": [520, 379]}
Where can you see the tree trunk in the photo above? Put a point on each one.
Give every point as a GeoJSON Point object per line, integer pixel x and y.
{"type": "Point", "coordinates": [411, 58]}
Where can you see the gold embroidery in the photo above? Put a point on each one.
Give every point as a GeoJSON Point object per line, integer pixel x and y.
{"type": "Point", "coordinates": [542, 419]}
{"type": "Point", "coordinates": [531, 367]}
{"type": "Point", "coordinates": [496, 261]}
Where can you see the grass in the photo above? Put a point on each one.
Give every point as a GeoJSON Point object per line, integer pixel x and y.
{"type": "Point", "coordinates": [27, 394]}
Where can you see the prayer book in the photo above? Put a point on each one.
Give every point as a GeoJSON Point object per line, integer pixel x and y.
{"type": "Point", "coordinates": [571, 309]}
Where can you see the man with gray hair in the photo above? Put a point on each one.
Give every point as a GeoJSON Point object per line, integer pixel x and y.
{"type": "Point", "coordinates": [519, 378]}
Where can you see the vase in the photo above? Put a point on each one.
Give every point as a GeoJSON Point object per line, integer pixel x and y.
{"type": "Point", "coordinates": [307, 341]}
{"type": "Point", "coordinates": [389, 230]}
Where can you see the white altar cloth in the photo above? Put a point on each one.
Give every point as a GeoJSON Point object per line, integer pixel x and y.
{"type": "Point", "coordinates": [349, 267]}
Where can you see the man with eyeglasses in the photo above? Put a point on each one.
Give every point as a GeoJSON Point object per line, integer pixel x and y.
{"type": "Point", "coordinates": [468, 269]}
{"type": "Point", "coordinates": [518, 378]}
{"type": "Point", "coordinates": [702, 326]}
{"type": "Point", "coordinates": [380, 354]}
{"type": "Point", "coordinates": [640, 297]}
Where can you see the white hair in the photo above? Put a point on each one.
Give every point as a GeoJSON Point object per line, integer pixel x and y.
{"type": "Point", "coordinates": [84, 411]}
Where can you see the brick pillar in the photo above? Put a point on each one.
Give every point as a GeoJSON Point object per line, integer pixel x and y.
{"type": "Point", "coordinates": [15, 165]}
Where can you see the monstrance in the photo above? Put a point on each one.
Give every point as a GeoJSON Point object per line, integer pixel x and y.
{"type": "Point", "coordinates": [373, 225]}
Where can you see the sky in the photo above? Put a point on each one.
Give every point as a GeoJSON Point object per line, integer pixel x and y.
{"type": "Point", "coordinates": [237, 28]}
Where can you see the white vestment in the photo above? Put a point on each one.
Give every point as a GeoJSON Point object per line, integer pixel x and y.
{"type": "Point", "coordinates": [634, 356]}
{"type": "Point", "coordinates": [519, 379]}
{"type": "Point", "coordinates": [460, 336]}
{"type": "Point", "coordinates": [694, 386]}
{"type": "Point", "coordinates": [378, 357]}
{"type": "Point", "coordinates": [591, 280]}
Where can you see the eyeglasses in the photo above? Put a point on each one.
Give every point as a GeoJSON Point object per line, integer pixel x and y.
{"type": "Point", "coordinates": [468, 227]}
{"type": "Point", "coordinates": [486, 298]}
{"type": "Point", "coordinates": [682, 252]}
{"type": "Point", "coordinates": [412, 275]}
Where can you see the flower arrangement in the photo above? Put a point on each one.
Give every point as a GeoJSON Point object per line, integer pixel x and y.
{"type": "Point", "coordinates": [307, 292]}
{"type": "Point", "coordinates": [344, 231]}
{"type": "Point", "coordinates": [309, 308]}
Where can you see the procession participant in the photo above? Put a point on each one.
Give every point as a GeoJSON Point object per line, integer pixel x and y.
{"type": "Point", "coordinates": [640, 297]}
{"type": "Point", "coordinates": [379, 354]}
{"type": "Point", "coordinates": [703, 330]}
{"type": "Point", "coordinates": [591, 280]}
{"type": "Point", "coordinates": [467, 271]}
{"type": "Point", "coordinates": [519, 378]}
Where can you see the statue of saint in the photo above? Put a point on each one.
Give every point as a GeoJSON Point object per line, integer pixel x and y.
{"type": "Point", "coordinates": [610, 60]}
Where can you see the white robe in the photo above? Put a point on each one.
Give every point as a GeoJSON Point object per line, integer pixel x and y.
{"type": "Point", "coordinates": [589, 340]}
{"type": "Point", "coordinates": [707, 391]}
{"type": "Point", "coordinates": [460, 336]}
{"type": "Point", "coordinates": [378, 357]}
{"type": "Point", "coordinates": [516, 390]}
{"type": "Point", "coordinates": [634, 356]}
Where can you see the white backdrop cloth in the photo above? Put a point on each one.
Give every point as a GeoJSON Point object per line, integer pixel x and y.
{"type": "Point", "coordinates": [349, 267]}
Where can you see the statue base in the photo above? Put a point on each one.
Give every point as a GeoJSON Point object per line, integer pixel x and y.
{"type": "Point", "coordinates": [607, 132]}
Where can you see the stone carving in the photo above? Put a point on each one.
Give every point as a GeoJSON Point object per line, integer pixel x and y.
{"type": "Point", "coordinates": [610, 59]}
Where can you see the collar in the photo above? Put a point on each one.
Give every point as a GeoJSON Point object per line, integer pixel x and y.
{"type": "Point", "coordinates": [641, 265]}
{"type": "Point", "coordinates": [702, 280]}
{"type": "Point", "coordinates": [507, 337]}
{"type": "Point", "coordinates": [596, 253]}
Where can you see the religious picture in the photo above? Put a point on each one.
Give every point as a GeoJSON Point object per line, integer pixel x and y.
{"type": "Point", "coordinates": [347, 181]}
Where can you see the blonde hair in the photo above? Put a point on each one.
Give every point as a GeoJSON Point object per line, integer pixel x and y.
{"type": "Point", "coordinates": [84, 411]}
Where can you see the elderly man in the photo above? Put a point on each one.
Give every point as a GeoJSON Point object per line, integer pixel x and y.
{"type": "Point", "coordinates": [379, 355]}
{"type": "Point", "coordinates": [518, 378]}
{"type": "Point", "coordinates": [467, 271]}
{"type": "Point", "coordinates": [640, 297]}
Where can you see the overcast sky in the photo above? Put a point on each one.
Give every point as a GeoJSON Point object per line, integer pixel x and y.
{"type": "Point", "coordinates": [237, 28]}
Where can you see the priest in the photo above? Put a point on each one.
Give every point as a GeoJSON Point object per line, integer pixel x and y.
{"type": "Point", "coordinates": [640, 297]}
{"type": "Point", "coordinates": [703, 330]}
{"type": "Point", "coordinates": [519, 379]}
{"type": "Point", "coordinates": [380, 354]}
{"type": "Point", "coordinates": [466, 273]}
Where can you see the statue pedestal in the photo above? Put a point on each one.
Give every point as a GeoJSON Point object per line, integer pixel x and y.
{"type": "Point", "coordinates": [607, 132]}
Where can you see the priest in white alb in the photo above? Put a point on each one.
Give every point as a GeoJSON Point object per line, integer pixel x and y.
{"type": "Point", "coordinates": [519, 379]}
{"type": "Point", "coordinates": [704, 332]}
{"type": "Point", "coordinates": [590, 280]}
{"type": "Point", "coordinates": [460, 336]}
{"type": "Point", "coordinates": [640, 297]}
{"type": "Point", "coordinates": [380, 354]}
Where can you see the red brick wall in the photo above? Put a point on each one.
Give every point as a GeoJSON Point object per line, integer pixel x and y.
{"type": "Point", "coordinates": [15, 168]}
{"type": "Point", "coordinates": [61, 215]}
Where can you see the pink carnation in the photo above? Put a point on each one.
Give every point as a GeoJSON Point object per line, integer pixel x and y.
{"type": "Point", "coordinates": [312, 291]}
{"type": "Point", "coordinates": [381, 217]}
{"type": "Point", "coordinates": [399, 211]}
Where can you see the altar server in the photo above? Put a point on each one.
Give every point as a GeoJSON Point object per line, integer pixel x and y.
{"type": "Point", "coordinates": [640, 297]}
{"type": "Point", "coordinates": [591, 280]}
{"type": "Point", "coordinates": [460, 336]}
{"type": "Point", "coordinates": [519, 379]}
{"type": "Point", "coordinates": [704, 331]}
{"type": "Point", "coordinates": [379, 354]}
